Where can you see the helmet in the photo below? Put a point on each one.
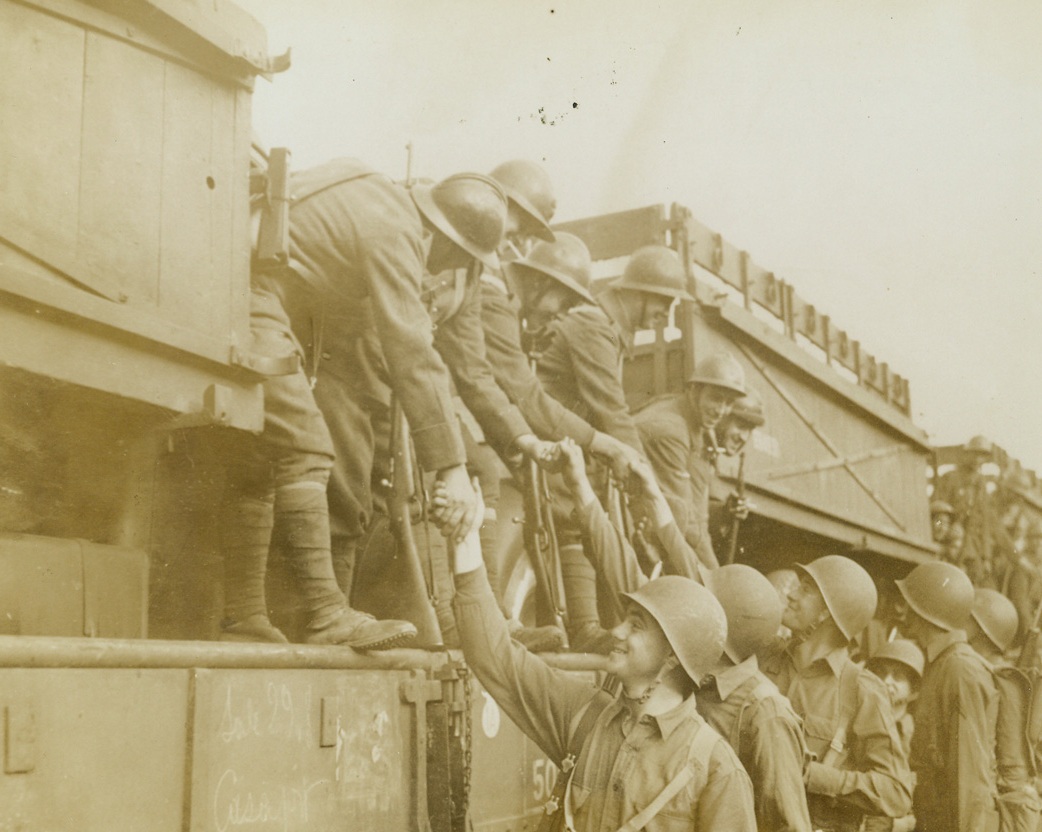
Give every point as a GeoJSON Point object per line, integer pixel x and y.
{"type": "Point", "coordinates": [848, 590]}
{"type": "Point", "coordinates": [749, 409]}
{"type": "Point", "coordinates": [939, 592]}
{"type": "Point", "coordinates": [941, 507]}
{"type": "Point", "coordinates": [469, 209]}
{"type": "Point", "coordinates": [996, 616]}
{"type": "Point", "coordinates": [527, 186]}
{"type": "Point", "coordinates": [655, 269]}
{"type": "Point", "coordinates": [978, 445]}
{"type": "Point", "coordinates": [692, 619]}
{"type": "Point", "coordinates": [901, 651]}
{"type": "Point", "coordinates": [721, 369]}
{"type": "Point", "coordinates": [752, 606]}
{"type": "Point", "coordinates": [566, 260]}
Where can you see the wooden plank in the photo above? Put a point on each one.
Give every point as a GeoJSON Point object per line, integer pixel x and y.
{"type": "Point", "coordinates": [233, 201]}
{"type": "Point", "coordinates": [41, 84]}
{"type": "Point", "coordinates": [121, 173]}
{"type": "Point", "coordinates": [189, 287]}
{"type": "Point", "coordinates": [619, 234]}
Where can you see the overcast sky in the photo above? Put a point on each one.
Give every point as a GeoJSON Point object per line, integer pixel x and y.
{"type": "Point", "coordinates": [884, 157]}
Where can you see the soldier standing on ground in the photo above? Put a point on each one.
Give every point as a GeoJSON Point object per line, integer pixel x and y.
{"type": "Point", "coordinates": [636, 757]}
{"type": "Point", "coordinates": [858, 771]}
{"type": "Point", "coordinates": [992, 628]}
{"type": "Point", "coordinates": [953, 748]}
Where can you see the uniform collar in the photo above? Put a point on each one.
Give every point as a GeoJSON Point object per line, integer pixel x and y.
{"type": "Point", "coordinates": [666, 722]}
{"type": "Point", "coordinates": [835, 659]}
{"type": "Point", "coordinates": [731, 678]}
{"type": "Point", "coordinates": [941, 642]}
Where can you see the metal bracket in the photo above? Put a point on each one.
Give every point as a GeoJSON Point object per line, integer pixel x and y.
{"type": "Point", "coordinates": [418, 691]}
{"type": "Point", "coordinates": [19, 739]}
{"type": "Point", "coordinates": [284, 365]}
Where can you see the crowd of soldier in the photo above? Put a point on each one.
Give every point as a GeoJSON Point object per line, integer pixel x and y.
{"type": "Point", "coordinates": [397, 300]}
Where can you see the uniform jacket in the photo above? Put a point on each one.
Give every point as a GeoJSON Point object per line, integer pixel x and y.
{"type": "Point", "coordinates": [953, 747]}
{"type": "Point", "coordinates": [871, 776]}
{"type": "Point", "coordinates": [359, 248]}
{"type": "Point", "coordinates": [672, 438]}
{"type": "Point", "coordinates": [624, 764]}
{"type": "Point", "coordinates": [581, 367]}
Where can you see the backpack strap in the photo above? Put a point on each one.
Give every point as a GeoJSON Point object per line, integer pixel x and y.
{"type": "Point", "coordinates": [764, 688]}
{"type": "Point", "coordinates": [701, 749]}
{"type": "Point", "coordinates": [837, 749]}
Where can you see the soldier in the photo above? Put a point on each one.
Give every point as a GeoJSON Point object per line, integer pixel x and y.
{"type": "Point", "coordinates": [736, 699]}
{"type": "Point", "coordinates": [1025, 586]}
{"type": "Point", "coordinates": [531, 199]}
{"type": "Point", "coordinates": [674, 431]}
{"type": "Point", "coordinates": [940, 521]}
{"type": "Point", "coordinates": [991, 631]}
{"type": "Point", "coordinates": [965, 489]}
{"type": "Point", "coordinates": [736, 428]}
{"type": "Point", "coordinates": [383, 293]}
{"type": "Point", "coordinates": [899, 665]}
{"type": "Point", "coordinates": [953, 748]}
{"type": "Point", "coordinates": [582, 345]}
{"type": "Point", "coordinates": [858, 770]}
{"type": "Point", "coordinates": [641, 758]}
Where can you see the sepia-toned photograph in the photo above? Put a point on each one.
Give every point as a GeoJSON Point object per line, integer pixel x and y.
{"type": "Point", "coordinates": [591, 416]}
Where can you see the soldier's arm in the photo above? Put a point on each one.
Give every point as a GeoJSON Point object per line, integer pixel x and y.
{"type": "Point", "coordinates": [513, 373]}
{"type": "Point", "coordinates": [773, 751]}
{"type": "Point", "coordinates": [726, 802]}
{"type": "Point", "coordinates": [393, 266]}
{"type": "Point", "coordinates": [542, 701]}
{"type": "Point", "coordinates": [877, 779]}
{"type": "Point", "coordinates": [972, 746]}
{"type": "Point", "coordinates": [461, 342]}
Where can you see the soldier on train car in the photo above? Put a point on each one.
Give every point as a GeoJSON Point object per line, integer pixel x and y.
{"type": "Point", "coordinates": [531, 207]}
{"type": "Point", "coordinates": [1025, 585]}
{"type": "Point", "coordinates": [581, 346]}
{"type": "Point", "coordinates": [639, 758]}
{"type": "Point", "coordinates": [953, 747]}
{"type": "Point", "coordinates": [858, 771]}
{"type": "Point", "coordinates": [676, 432]}
{"type": "Point", "coordinates": [381, 290]}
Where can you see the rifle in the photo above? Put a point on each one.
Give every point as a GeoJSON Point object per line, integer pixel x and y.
{"type": "Point", "coordinates": [732, 548]}
{"type": "Point", "coordinates": [540, 536]}
{"type": "Point", "coordinates": [418, 571]}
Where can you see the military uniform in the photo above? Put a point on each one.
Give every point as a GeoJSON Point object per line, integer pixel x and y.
{"type": "Point", "coordinates": [1025, 591]}
{"type": "Point", "coordinates": [953, 747]}
{"type": "Point", "coordinates": [672, 437]}
{"type": "Point", "coordinates": [858, 767]}
{"type": "Point", "coordinates": [381, 324]}
{"type": "Point", "coordinates": [623, 765]}
{"type": "Point", "coordinates": [967, 493]}
{"type": "Point", "coordinates": [742, 705]}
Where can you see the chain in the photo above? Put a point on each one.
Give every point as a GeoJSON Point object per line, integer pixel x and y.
{"type": "Point", "coordinates": [468, 745]}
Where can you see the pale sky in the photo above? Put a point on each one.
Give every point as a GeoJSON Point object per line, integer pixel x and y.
{"type": "Point", "coordinates": [883, 157]}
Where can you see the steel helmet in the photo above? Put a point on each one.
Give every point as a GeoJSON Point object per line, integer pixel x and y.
{"type": "Point", "coordinates": [528, 186]}
{"type": "Point", "coordinates": [468, 208]}
{"type": "Point", "coordinates": [657, 270]}
{"type": "Point", "coordinates": [978, 445]}
{"type": "Point", "coordinates": [691, 618]}
{"type": "Point", "coordinates": [941, 507]}
{"type": "Point", "coordinates": [940, 593]}
{"type": "Point", "coordinates": [752, 607]}
{"type": "Point", "coordinates": [566, 260]}
{"type": "Point", "coordinates": [996, 616]}
{"type": "Point", "coordinates": [749, 409]}
{"type": "Point", "coordinates": [848, 590]}
{"type": "Point", "coordinates": [900, 651]}
{"type": "Point", "coordinates": [721, 369]}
